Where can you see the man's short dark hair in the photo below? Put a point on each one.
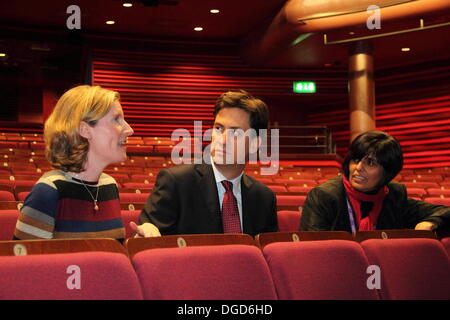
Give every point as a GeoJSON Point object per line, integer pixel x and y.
{"type": "Point", "coordinates": [385, 148]}
{"type": "Point", "coordinates": [256, 108]}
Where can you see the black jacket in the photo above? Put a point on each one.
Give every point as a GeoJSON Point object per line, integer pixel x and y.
{"type": "Point", "coordinates": [325, 209]}
{"type": "Point", "coordinates": [185, 201]}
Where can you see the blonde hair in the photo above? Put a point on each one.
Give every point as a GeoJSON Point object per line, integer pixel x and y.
{"type": "Point", "coordinates": [65, 148]}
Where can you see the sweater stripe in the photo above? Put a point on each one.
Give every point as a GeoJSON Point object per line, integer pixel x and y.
{"type": "Point", "coordinates": [60, 207]}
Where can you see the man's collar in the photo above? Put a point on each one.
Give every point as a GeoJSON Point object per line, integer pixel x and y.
{"type": "Point", "coordinates": [220, 177]}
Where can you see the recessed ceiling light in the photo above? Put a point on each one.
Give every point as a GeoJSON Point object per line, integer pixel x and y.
{"type": "Point", "coordinates": [198, 29]}
{"type": "Point", "coordinates": [214, 10]}
{"type": "Point", "coordinates": [110, 22]}
{"type": "Point", "coordinates": [127, 5]}
{"type": "Point", "coordinates": [406, 49]}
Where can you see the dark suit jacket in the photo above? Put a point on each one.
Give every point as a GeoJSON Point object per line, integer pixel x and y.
{"type": "Point", "coordinates": [185, 200]}
{"type": "Point", "coordinates": [325, 209]}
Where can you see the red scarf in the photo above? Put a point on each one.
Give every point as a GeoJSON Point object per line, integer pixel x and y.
{"type": "Point", "coordinates": [354, 196]}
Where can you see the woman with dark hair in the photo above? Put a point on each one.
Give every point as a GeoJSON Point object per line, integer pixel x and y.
{"type": "Point", "coordinates": [365, 198]}
{"type": "Point", "coordinates": [84, 134]}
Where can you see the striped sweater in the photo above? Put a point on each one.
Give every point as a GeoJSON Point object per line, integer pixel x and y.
{"type": "Point", "coordinates": [60, 206]}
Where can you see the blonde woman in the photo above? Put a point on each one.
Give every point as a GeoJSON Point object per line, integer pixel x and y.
{"type": "Point", "coordinates": [85, 133]}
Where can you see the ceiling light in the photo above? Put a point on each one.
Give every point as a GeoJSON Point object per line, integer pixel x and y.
{"type": "Point", "coordinates": [110, 22]}
{"type": "Point", "coordinates": [406, 49]}
{"type": "Point", "coordinates": [2, 54]}
{"type": "Point", "coordinates": [198, 29]}
{"type": "Point", "coordinates": [214, 10]}
{"type": "Point", "coordinates": [127, 5]}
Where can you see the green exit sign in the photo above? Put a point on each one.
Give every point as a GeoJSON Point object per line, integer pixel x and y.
{"type": "Point", "coordinates": [304, 87]}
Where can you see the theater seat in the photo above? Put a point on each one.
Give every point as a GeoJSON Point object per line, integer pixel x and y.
{"type": "Point", "coordinates": [290, 202]}
{"type": "Point", "coordinates": [446, 243]}
{"type": "Point", "coordinates": [410, 268]}
{"type": "Point", "coordinates": [6, 196]}
{"type": "Point", "coordinates": [438, 200]}
{"type": "Point", "coordinates": [133, 197]}
{"type": "Point", "coordinates": [288, 220]}
{"type": "Point", "coordinates": [8, 220]}
{"type": "Point", "coordinates": [329, 269]}
{"type": "Point", "coordinates": [21, 196]}
{"type": "Point", "coordinates": [102, 276]}
{"type": "Point", "coordinates": [229, 272]}
{"type": "Point", "coordinates": [277, 188]}
{"type": "Point", "coordinates": [127, 217]}
{"type": "Point", "coordinates": [360, 236]}
{"type": "Point", "coordinates": [263, 239]}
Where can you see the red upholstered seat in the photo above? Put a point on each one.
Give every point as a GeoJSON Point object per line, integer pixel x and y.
{"type": "Point", "coordinates": [327, 269]}
{"type": "Point", "coordinates": [277, 188]}
{"type": "Point", "coordinates": [127, 217]}
{"type": "Point", "coordinates": [103, 276]}
{"type": "Point", "coordinates": [446, 243]}
{"type": "Point", "coordinates": [14, 183]}
{"type": "Point", "coordinates": [438, 200]}
{"type": "Point", "coordinates": [6, 196]}
{"type": "Point", "coordinates": [433, 192]}
{"type": "Point", "coordinates": [138, 185]}
{"type": "Point", "coordinates": [421, 184]}
{"type": "Point", "coordinates": [22, 195]}
{"type": "Point", "coordinates": [8, 220]}
{"type": "Point", "coordinates": [296, 182]}
{"type": "Point", "coordinates": [290, 200]}
{"type": "Point", "coordinates": [237, 272]}
{"type": "Point", "coordinates": [416, 192]}
{"type": "Point", "coordinates": [133, 197]}
{"type": "Point", "coordinates": [410, 268]}
{"type": "Point", "coordinates": [288, 220]}
{"type": "Point", "coordinates": [422, 178]}
{"type": "Point", "coordinates": [300, 189]}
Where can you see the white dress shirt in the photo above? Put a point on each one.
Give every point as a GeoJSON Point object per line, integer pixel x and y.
{"type": "Point", "coordinates": [221, 189]}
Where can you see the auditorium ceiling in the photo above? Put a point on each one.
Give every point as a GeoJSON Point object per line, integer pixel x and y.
{"type": "Point", "coordinates": [249, 24]}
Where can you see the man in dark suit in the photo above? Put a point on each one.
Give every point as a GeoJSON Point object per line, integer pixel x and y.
{"type": "Point", "coordinates": [216, 197]}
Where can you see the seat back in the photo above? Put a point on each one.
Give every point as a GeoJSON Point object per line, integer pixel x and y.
{"type": "Point", "coordinates": [135, 245]}
{"type": "Point", "coordinates": [6, 196]}
{"type": "Point", "coordinates": [329, 269]}
{"type": "Point", "coordinates": [264, 239]}
{"type": "Point", "coordinates": [288, 220]}
{"type": "Point", "coordinates": [133, 197]}
{"type": "Point", "coordinates": [8, 220]}
{"type": "Point", "coordinates": [446, 243]}
{"type": "Point", "coordinates": [72, 276]}
{"type": "Point", "coordinates": [410, 268]}
{"type": "Point", "coordinates": [438, 200]}
{"type": "Point", "coordinates": [393, 234]}
{"type": "Point", "coordinates": [53, 246]}
{"type": "Point", "coordinates": [237, 272]}
{"type": "Point", "coordinates": [127, 217]}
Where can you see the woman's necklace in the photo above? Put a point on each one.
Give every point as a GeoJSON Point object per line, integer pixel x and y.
{"type": "Point", "coordinates": [96, 196]}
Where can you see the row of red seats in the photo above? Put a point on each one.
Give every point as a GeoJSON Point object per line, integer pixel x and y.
{"type": "Point", "coordinates": [288, 220]}
{"type": "Point", "coordinates": [291, 197]}
{"type": "Point", "coordinates": [234, 268]}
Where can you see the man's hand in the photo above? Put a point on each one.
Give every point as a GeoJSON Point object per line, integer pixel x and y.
{"type": "Point", "coordinates": [426, 225]}
{"type": "Point", "coordinates": [145, 230]}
